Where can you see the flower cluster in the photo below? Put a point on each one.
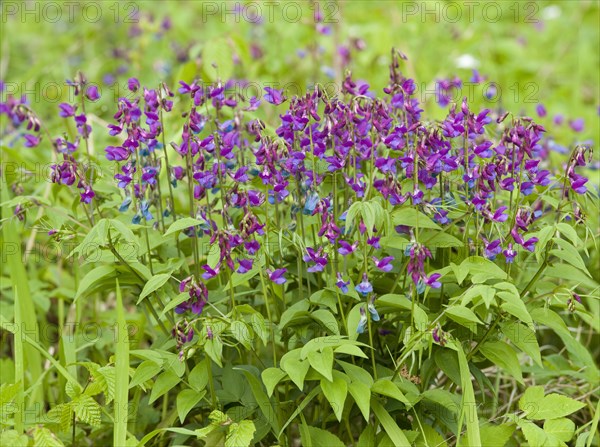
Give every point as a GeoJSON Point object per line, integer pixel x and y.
{"type": "Point", "coordinates": [241, 177]}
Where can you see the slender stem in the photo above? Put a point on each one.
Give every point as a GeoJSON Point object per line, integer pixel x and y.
{"type": "Point", "coordinates": [271, 322]}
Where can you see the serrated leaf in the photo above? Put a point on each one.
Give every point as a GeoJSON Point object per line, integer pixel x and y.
{"type": "Point", "coordinates": [240, 434]}
{"type": "Point", "coordinates": [551, 406]}
{"type": "Point", "coordinates": [62, 415]}
{"type": "Point", "coordinates": [42, 437]}
{"type": "Point", "coordinates": [87, 410]}
{"type": "Point", "coordinates": [562, 428]}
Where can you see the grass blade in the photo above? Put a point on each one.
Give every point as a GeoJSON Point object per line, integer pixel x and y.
{"type": "Point", "coordinates": [121, 375]}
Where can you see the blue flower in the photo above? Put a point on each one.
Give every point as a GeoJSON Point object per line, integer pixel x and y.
{"type": "Point", "coordinates": [362, 323]}
{"type": "Point", "coordinates": [125, 205]}
{"type": "Point", "coordinates": [365, 287]}
{"type": "Point", "coordinates": [373, 311]}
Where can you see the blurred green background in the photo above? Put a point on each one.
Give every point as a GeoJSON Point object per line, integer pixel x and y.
{"type": "Point", "coordinates": [535, 52]}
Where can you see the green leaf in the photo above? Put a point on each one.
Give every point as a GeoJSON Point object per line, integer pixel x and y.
{"type": "Point", "coordinates": [513, 304]}
{"type": "Point", "coordinates": [367, 437]}
{"type": "Point", "coordinates": [198, 377]}
{"type": "Point", "coordinates": [551, 406]}
{"type": "Point", "coordinates": [214, 349]}
{"type": "Point", "coordinates": [468, 409]}
{"type": "Point", "coordinates": [391, 428]}
{"type": "Point", "coordinates": [534, 435]}
{"type": "Point", "coordinates": [87, 410]}
{"type": "Point", "coordinates": [439, 239]}
{"type": "Point", "coordinates": [240, 434]}
{"type": "Point", "coordinates": [350, 350]}
{"type": "Point", "coordinates": [501, 354]}
{"type": "Point", "coordinates": [464, 316]}
{"type": "Point", "coordinates": [320, 437]}
{"type": "Point", "coordinates": [386, 387]}
{"type": "Point", "coordinates": [144, 372]}
{"type": "Point", "coordinates": [182, 224]}
{"type": "Point", "coordinates": [164, 383]}
{"type": "Point", "coordinates": [496, 435]}
{"type": "Point", "coordinates": [92, 277]}
{"type": "Point", "coordinates": [186, 400]}
{"type": "Point", "coordinates": [327, 320]}
{"type": "Point", "coordinates": [270, 378]}
{"type": "Point", "coordinates": [155, 283]}
{"type": "Point", "coordinates": [322, 362]}
{"type": "Point", "coordinates": [42, 437]}
{"type": "Point", "coordinates": [562, 428]}
{"type": "Point", "coordinates": [13, 438]}
{"type": "Point", "coordinates": [336, 392]}
{"type": "Point", "coordinates": [241, 333]}
{"type": "Point", "coordinates": [524, 338]}
{"type": "Point", "coordinates": [411, 217]}
{"type": "Point", "coordinates": [480, 269]}
{"type": "Point", "coordinates": [262, 400]}
{"type": "Point", "coordinates": [361, 393]}
{"type": "Point", "coordinates": [295, 368]}
{"type": "Point", "coordinates": [570, 254]}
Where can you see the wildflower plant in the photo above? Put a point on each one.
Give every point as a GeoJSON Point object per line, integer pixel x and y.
{"type": "Point", "coordinates": [351, 262]}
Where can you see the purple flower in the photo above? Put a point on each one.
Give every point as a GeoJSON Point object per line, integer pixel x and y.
{"type": "Point", "coordinates": [116, 153]}
{"type": "Point", "coordinates": [529, 244]}
{"type": "Point", "coordinates": [365, 287]}
{"type": "Point", "coordinates": [92, 93]}
{"type": "Point", "coordinates": [577, 124]}
{"type": "Point", "coordinates": [558, 119]}
{"type": "Point", "coordinates": [345, 248]}
{"type": "Point", "coordinates": [274, 96]}
{"type": "Point", "coordinates": [541, 110]}
{"type": "Point", "coordinates": [133, 84]}
{"type": "Point", "coordinates": [252, 247]}
{"type": "Point", "coordinates": [491, 249]}
{"type": "Point", "coordinates": [210, 272]}
{"type": "Point", "coordinates": [341, 284]}
{"type": "Point", "coordinates": [509, 254]}
{"type": "Point", "coordinates": [245, 265]}
{"type": "Point", "coordinates": [31, 140]}
{"type": "Point", "coordinates": [384, 264]}
{"type": "Point", "coordinates": [432, 281]}
{"type": "Point", "coordinates": [277, 275]}
{"type": "Point", "coordinates": [87, 195]}
{"type": "Point", "coordinates": [66, 110]}
{"type": "Point", "coordinates": [499, 215]}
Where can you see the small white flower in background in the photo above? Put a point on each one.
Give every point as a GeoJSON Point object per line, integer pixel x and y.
{"type": "Point", "coordinates": [466, 61]}
{"type": "Point", "coordinates": [551, 12]}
